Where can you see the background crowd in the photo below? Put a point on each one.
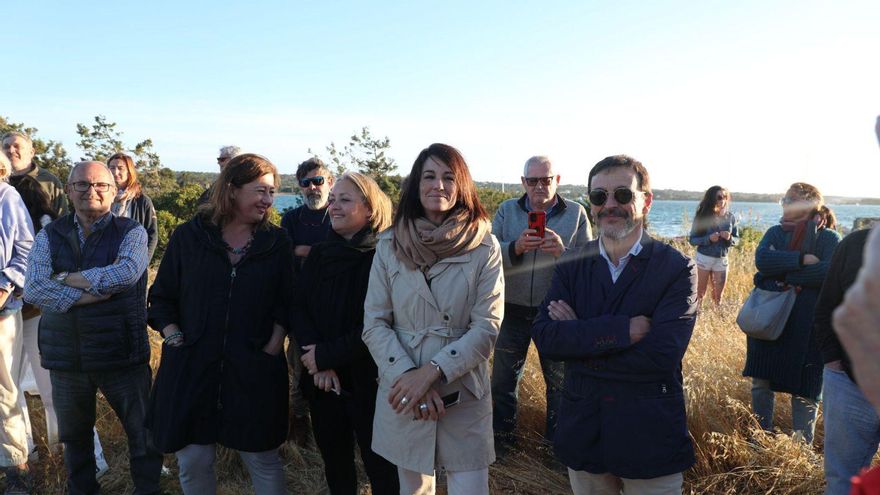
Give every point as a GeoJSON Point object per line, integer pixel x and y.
{"type": "Point", "coordinates": [407, 330]}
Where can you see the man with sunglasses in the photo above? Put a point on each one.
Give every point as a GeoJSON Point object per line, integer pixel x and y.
{"type": "Point", "coordinates": [87, 274]}
{"type": "Point", "coordinates": [307, 225]}
{"type": "Point", "coordinates": [620, 313]}
{"type": "Point", "coordinates": [528, 267]}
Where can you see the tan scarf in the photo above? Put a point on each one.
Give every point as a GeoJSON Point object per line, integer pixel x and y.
{"type": "Point", "coordinates": [420, 244]}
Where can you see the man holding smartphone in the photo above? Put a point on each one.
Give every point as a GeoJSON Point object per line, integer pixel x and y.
{"type": "Point", "coordinates": [529, 260]}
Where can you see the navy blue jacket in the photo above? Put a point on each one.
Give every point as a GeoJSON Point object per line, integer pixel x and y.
{"type": "Point", "coordinates": [793, 362]}
{"type": "Point", "coordinates": [622, 410]}
{"type": "Point", "coordinates": [106, 335]}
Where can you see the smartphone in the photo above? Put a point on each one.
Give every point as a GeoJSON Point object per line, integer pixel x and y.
{"type": "Point", "coordinates": [537, 221]}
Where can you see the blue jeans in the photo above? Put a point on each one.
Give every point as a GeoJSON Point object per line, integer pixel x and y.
{"type": "Point", "coordinates": [127, 391]}
{"type": "Point", "coordinates": [852, 431]}
{"type": "Point", "coordinates": [803, 410]}
{"type": "Point", "coordinates": [511, 349]}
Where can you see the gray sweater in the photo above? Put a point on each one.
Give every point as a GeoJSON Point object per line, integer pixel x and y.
{"type": "Point", "coordinates": [527, 277]}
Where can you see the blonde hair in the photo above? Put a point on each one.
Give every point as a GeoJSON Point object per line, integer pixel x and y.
{"type": "Point", "coordinates": [376, 200]}
{"type": "Point", "coordinates": [5, 167]}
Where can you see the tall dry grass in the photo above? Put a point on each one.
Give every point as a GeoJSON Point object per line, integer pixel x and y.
{"type": "Point", "coordinates": [733, 455]}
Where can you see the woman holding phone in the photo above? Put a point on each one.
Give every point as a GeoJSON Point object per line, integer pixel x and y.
{"type": "Point", "coordinates": [431, 317]}
{"type": "Point", "coordinates": [328, 319]}
{"type": "Point", "coordinates": [713, 232]}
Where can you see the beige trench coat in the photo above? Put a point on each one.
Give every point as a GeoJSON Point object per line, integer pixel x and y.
{"type": "Point", "coordinates": [455, 322]}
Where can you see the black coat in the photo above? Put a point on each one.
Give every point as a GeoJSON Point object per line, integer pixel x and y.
{"type": "Point", "coordinates": [220, 387]}
{"type": "Point", "coordinates": [329, 310]}
{"type": "Point", "coordinates": [842, 273]}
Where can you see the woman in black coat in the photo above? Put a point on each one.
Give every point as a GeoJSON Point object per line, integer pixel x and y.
{"type": "Point", "coordinates": [329, 314]}
{"type": "Point", "coordinates": [220, 301]}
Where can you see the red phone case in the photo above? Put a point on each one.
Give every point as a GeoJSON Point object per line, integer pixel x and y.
{"type": "Point", "coordinates": [537, 221]}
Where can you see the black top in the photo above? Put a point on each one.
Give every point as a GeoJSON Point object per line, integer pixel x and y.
{"type": "Point", "coordinates": [306, 227]}
{"type": "Point", "coordinates": [842, 272]}
{"type": "Point", "coordinates": [219, 386]}
{"type": "Point", "coordinates": [329, 308]}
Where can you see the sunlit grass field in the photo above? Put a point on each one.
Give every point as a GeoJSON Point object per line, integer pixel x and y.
{"type": "Point", "coordinates": [733, 455]}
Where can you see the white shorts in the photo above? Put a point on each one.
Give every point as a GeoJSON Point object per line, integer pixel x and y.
{"type": "Point", "coordinates": [711, 263]}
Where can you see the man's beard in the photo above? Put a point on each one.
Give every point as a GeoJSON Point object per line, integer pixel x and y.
{"type": "Point", "coordinates": [617, 232]}
{"type": "Point", "coordinates": [314, 201]}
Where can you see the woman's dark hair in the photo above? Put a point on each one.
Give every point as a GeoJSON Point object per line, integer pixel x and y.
{"type": "Point", "coordinates": [35, 198]}
{"type": "Point", "coordinates": [705, 216]}
{"type": "Point", "coordinates": [240, 170]}
{"type": "Point", "coordinates": [410, 207]}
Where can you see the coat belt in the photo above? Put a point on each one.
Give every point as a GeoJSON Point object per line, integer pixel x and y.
{"type": "Point", "coordinates": [416, 336]}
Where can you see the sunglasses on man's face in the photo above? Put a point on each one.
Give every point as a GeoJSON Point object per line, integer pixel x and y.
{"type": "Point", "coordinates": [221, 159]}
{"type": "Point", "coordinates": [533, 181]}
{"type": "Point", "coordinates": [623, 196]}
{"type": "Point", "coordinates": [316, 180]}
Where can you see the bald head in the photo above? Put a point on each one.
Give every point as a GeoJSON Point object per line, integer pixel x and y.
{"type": "Point", "coordinates": [91, 189]}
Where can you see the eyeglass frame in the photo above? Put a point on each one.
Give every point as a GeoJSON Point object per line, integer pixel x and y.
{"type": "Point", "coordinates": [533, 181]}
{"type": "Point", "coordinates": [97, 186]}
{"type": "Point", "coordinates": [317, 180]}
{"type": "Point", "coordinates": [621, 189]}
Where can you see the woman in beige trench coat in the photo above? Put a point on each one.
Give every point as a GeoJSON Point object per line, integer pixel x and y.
{"type": "Point", "coordinates": [431, 317]}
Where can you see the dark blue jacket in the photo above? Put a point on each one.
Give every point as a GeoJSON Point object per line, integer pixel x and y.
{"type": "Point", "coordinates": [106, 335]}
{"type": "Point", "coordinates": [793, 362]}
{"type": "Point", "coordinates": [622, 410]}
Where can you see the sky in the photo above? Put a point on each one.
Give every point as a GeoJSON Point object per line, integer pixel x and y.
{"type": "Point", "coordinates": [751, 95]}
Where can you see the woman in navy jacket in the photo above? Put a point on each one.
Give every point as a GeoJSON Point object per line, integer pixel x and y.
{"type": "Point", "coordinates": [795, 253]}
{"type": "Point", "coordinates": [220, 301]}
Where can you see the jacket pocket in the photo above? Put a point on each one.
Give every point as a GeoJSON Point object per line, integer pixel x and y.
{"type": "Point", "coordinates": [644, 431]}
{"type": "Point", "coordinates": [475, 382]}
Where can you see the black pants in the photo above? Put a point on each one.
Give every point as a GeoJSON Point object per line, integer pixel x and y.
{"type": "Point", "coordinates": [127, 391]}
{"type": "Point", "coordinates": [336, 420]}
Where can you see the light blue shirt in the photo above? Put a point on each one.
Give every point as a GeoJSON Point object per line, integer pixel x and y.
{"type": "Point", "coordinates": [616, 270]}
{"type": "Point", "coordinates": [16, 239]}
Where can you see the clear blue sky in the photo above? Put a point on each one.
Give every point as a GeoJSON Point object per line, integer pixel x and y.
{"type": "Point", "coordinates": [752, 95]}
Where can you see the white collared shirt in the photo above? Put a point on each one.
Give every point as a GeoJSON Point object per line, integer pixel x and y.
{"type": "Point", "coordinates": [621, 263]}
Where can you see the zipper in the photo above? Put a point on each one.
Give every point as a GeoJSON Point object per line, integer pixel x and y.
{"type": "Point", "coordinates": [662, 388]}
{"type": "Point", "coordinates": [225, 332]}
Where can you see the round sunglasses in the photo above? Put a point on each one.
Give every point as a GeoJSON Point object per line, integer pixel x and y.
{"type": "Point", "coordinates": [623, 196]}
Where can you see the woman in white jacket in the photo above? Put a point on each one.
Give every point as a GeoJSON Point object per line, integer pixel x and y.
{"type": "Point", "coordinates": [432, 314]}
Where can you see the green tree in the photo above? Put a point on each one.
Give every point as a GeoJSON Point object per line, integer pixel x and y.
{"type": "Point", "coordinates": [49, 155]}
{"type": "Point", "coordinates": [103, 139]}
{"type": "Point", "coordinates": [368, 155]}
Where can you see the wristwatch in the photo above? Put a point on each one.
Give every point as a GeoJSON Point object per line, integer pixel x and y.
{"type": "Point", "coordinates": [61, 277]}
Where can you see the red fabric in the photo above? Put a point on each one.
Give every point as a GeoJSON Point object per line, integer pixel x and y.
{"type": "Point", "coordinates": [867, 483]}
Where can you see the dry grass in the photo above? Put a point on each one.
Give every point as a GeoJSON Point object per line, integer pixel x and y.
{"type": "Point", "coordinates": [733, 455]}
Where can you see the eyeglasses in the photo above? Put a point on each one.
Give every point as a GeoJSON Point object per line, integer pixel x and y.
{"type": "Point", "coordinates": [623, 196]}
{"type": "Point", "coordinates": [317, 180]}
{"type": "Point", "coordinates": [533, 181]}
{"type": "Point", "coordinates": [221, 159]}
{"type": "Point", "coordinates": [721, 197]}
{"type": "Point", "coordinates": [84, 186]}
{"type": "Point", "coordinates": [787, 200]}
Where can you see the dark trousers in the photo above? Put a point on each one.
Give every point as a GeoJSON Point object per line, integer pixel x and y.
{"type": "Point", "coordinates": [511, 350]}
{"type": "Point", "coordinates": [127, 391]}
{"type": "Point", "coordinates": [336, 420]}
